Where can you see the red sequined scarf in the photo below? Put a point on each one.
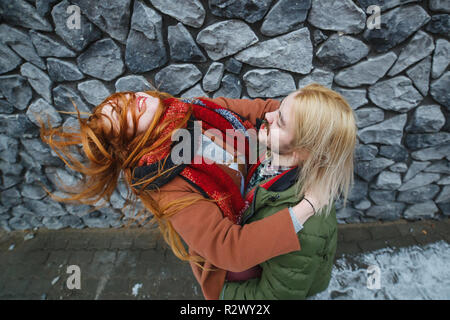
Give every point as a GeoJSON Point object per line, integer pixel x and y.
{"type": "Point", "coordinates": [210, 178]}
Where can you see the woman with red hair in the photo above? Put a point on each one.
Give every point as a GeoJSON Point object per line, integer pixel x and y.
{"type": "Point", "coordinates": [198, 202]}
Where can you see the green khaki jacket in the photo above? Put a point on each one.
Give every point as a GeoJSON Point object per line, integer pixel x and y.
{"type": "Point", "coordinates": [296, 275]}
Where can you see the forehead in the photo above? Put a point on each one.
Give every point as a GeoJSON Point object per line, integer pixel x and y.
{"type": "Point", "coordinates": [107, 107]}
{"type": "Point", "coordinates": [287, 102]}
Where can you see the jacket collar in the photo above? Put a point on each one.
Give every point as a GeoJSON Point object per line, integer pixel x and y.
{"type": "Point", "coordinates": [284, 181]}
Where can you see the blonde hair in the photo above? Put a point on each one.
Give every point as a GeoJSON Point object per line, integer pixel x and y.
{"type": "Point", "coordinates": [326, 128]}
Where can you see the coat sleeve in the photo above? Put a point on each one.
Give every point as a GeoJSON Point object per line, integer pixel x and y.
{"type": "Point", "coordinates": [247, 108]}
{"type": "Point", "coordinates": [227, 245]}
{"type": "Point", "coordinates": [286, 277]}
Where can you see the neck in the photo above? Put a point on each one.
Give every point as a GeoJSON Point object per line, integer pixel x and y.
{"type": "Point", "coordinates": [285, 160]}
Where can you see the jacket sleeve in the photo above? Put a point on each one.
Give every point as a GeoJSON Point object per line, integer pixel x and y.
{"type": "Point", "coordinates": [289, 276]}
{"type": "Point", "coordinates": [227, 245]}
{"type": "Point", "coordinates": [251, 109]}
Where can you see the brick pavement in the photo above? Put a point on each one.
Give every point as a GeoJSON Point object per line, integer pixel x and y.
{"type": "Point", "coordinates": [114, 261]}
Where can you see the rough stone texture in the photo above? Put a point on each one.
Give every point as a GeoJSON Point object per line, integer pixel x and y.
{"type": "Point", "coordinates": [421, 210]}
{"type": "Point", "coordinates": [366, 72]}
{"type": "Point", "coordinates": [230, 86]}
{"type": "Point", "coordinates": [8, 148]}
{"type": "Point", "coordinates": [383, 4]}
{"type": "Point", "coordinates": [419, 194]}
{"type": "Point", "coordinates": [355, 97]}
{"type": "Point", "coordinates": [8, 59]}
{"type": "Point", "coordinates": [194, 92]}
{"type": "Point", "coordinates": [133, 83]}
{"type": "Point", "coordinates": [439, 24]}
{"type": "Point", "coordinates": [380, 197]}
{"type": "Point", "coordinates": [399, 167]}
{"type": "Point", "coordinates": [396, 152]}
{"type": "Point", "coordinates": [285, 16]}
{"type": "Point", "coordinates": [212, 78]}
{"type": "Point", "coordinates": [182, 46]}
{"type": "Point", "coordinates": [78, 39]}
{"type": "Point", "coordinates": [419, 180]}
{"type": "Point", "coordinates": [21, 43]}
{"type": "Point", "coordinates": [396, 80]}
{"type": "Point", "coordinates": [439, 5]}
{"type": "Point", "coordinates": [291, 52]}
{"type": "Point", "coordinates": [340, 51]}
{"type": "Point", "coordinates": [365, 152]}
{"type": "Point", "coordinates": [441, 58]}
{"type": "Point", "coordinates": [38, 80]}
{"type": "Point", "coordinates": [420, 46]}
{"type": "Point", "coordinates": [444, 196]}
{"type": "Point", "coordinates": [359, 190]}
{"type": "Point", "coordinates": [387, 211]}
{"type": "Point", "coordinates": [439, 90]}
{"type": "Point", "coordinates": [102, 60]}
{"type": "Point", "coordinates": [16, 90]}
{"type": "Point", "coordinates": [219, 40]}
{"type": "Point", "coordinates": [62, 96]}
{"type": "Point", "coordinates": [44, 110]}
{"type": "Point", "coordinates": [396, 26]}
{"type": "Point", "coordinates": [420, 75]}
{"type": "Point", "coordinates": [319, 37]}
{"type": "Point", "coordinates": [433, 153]}
{"type": "Point", "coordinates": [320, 76]}
{"type": "Point", "coordinates": [60, 70]}
{"type": "Point", "coordinates": [234, 66]}
{"type": "Point", "coordinates": [21, 13]}
{"type": "Point", "coordinates": [110, 16]}
{"type": "Point", "coordinates": [368, 116]}
{"type": "Point", "coordinates": [177, 77]}
{"type": "Point", "coordinates": [47, 46]}
{"type": "Point", "coordinates": [248, 10]}
{"type": "Point", "coordinates": [368, 169]}
{"type": "Point", "coordinates": [268, 83]}
{"type": "Point", "coordinates": [351, 18]}
{"type": "Point", "coordinates": [415, 168]}
{"type": "Point", "coordinates": [191, 12]}
{"type": "Point", "coordinates": [144, 48]}
{"type": "Point", "coordinates": [387, 132]}
{"type": "Point", "coordinates": [427, 118]}
{"type": "Point", "coordinates": [424, 140]}
{"type": "Point", "coordinates": [396, 94]}
{"type": "Point", "coordinates": [94, 91]}
{"type": "Point", "coordinates": [388, 180]}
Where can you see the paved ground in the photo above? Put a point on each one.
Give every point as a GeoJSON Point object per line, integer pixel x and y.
{"type": "Point", "coordinates": [137, 264]}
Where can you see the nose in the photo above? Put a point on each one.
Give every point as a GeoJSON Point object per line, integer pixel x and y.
{"type": "Point", "coordinates": [270, 116]}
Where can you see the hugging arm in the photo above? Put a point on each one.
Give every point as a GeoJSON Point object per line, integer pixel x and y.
{"type": "Point", "coordinates": [249, 109]}
{"type": "Point", "coordinates": [278, 280]}
{"type": "Point", "coordinates": [230, 246]}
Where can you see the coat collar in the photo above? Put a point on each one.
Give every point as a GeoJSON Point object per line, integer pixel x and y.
{"type": "Point", "coordinates": [284, 181]}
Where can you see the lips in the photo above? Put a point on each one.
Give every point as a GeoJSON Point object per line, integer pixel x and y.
{"type": "Point", "coordinates": [139, 100]}
{"type": "Point", "coordinates": [264, 126]}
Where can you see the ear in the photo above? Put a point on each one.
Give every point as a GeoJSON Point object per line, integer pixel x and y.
{"type": "Point", "coordinates": [300, 155]}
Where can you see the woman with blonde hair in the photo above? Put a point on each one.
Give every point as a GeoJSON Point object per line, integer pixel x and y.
{"type": "Point", "coordinates": [197, 202]}
{"type": "Point", "coordinates": [315, 131]}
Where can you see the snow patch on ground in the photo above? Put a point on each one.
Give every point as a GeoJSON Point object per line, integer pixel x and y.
{"type": "Point", "coordinates": [414, 273]}
{"type": "Point", "coordinates": [136, 288]}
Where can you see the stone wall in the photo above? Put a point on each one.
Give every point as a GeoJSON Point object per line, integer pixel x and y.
{"type": "Point", "coordinates": [396, 78]}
